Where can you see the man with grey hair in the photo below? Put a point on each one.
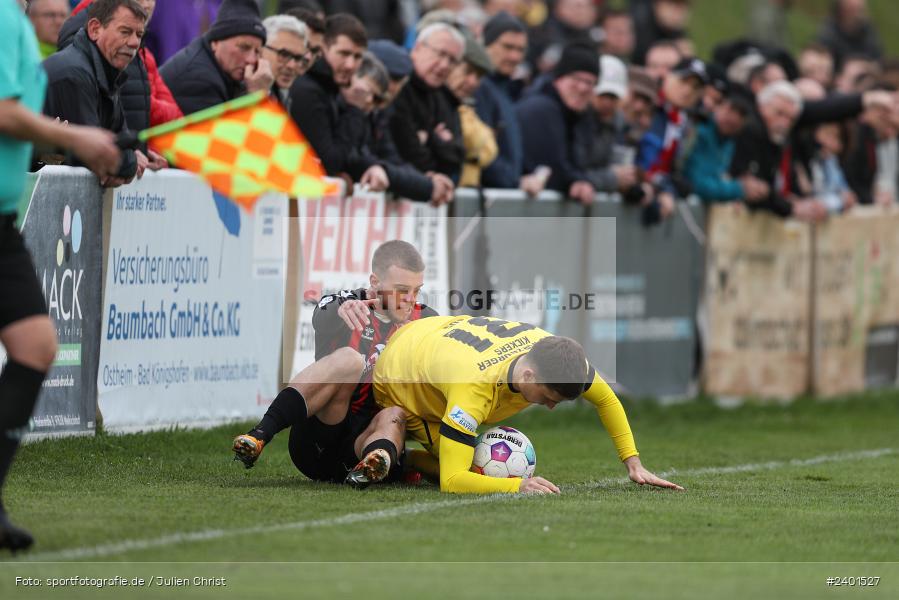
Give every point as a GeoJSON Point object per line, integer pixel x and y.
{"type": "Point", "coordinates": [287, 51]}
{"type": "Point", "coordinates": [425, 123]}
{"type": "Point", "coordinates": [767, 148]}
{"type": "Point", "coordinates": [764, 151]}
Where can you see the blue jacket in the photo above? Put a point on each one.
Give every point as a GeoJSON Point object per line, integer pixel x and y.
{"type": "Point", "coordinates": [548, 133]}
{"type": "Point", "coordinates": [652, 145]}
{"type": "Point", "coordinates": [706, 167]}
{"type": "Point", "coordinates": [495, 105]}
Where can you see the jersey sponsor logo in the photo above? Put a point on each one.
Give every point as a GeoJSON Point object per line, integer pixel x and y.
{"type": "Point", "coordinates": [368, 333]}
{"type": "Point", "coordinates": [463, 419]}
{"type": "Point", "coordinates": [373, 359]}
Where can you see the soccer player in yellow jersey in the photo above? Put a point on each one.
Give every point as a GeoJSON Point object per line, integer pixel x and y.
{"type": "Point", "coordinates": [452, 374]}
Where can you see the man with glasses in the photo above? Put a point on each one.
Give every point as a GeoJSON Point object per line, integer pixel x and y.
{"type": "Point", "coordinates": [405, 180]}
{"type": "Point", "coordinates": [549, 119]}
{"type": "Point", "coordinates": [318, 113]}
{"type": "Point", "coordinates": [47, 16]}
{"type": "Point", "coordinates": [223, 64]}
{"type": "Point", "coordinates": [425, 123]}
{"type": "Point", "coordinates": [285, 49]}
{"type": "Point", "coordinates": [315, 30]}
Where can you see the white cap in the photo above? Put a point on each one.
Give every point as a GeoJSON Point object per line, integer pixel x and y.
{"type": "Point", "coordinates": [612, 78]}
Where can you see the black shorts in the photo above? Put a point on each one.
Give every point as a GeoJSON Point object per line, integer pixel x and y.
{"type": "Point", "coordinates": [327, 452]}
{"type": "Point", "coordinates": [20, 290]}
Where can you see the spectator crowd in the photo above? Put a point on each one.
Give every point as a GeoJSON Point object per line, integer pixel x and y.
{"type": "Point", "coordinates": [577, 96]}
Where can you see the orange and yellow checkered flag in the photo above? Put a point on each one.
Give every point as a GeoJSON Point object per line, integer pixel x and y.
{"type": "Point", "coordinates": [243, 149]}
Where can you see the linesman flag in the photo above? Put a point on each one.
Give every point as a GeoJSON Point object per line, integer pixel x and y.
{"type": "Point", "coordinates": [242, 148]}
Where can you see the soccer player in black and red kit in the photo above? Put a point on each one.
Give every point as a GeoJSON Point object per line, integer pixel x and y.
{"type": "Point", "coordinates": [338, 433]}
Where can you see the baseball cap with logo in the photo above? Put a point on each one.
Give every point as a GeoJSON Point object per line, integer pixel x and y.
{"type": "Point", "coordinates": [691, 67]}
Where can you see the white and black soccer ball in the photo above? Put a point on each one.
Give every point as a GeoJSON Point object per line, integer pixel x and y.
{"type": "Point", "coordinates": [504, 452]}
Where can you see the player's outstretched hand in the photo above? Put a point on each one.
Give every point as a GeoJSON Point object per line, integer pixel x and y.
{"type": "Point", "coordinates": [639, 475]}
{"type": "Point", "coordinates": [537, 485]}
{"type": "Point", "coordinates": [355, 312]}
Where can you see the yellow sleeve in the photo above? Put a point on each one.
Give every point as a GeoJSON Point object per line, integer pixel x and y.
{"type": "Point", "coordinates": [467, 405]}
{"type": "Point", "coordinates": [612, 415]}
{"type": "Point", "coordinates": [456, 454]}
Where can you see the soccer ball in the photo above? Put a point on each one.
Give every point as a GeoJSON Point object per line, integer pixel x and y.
{"type": "Point", "coordinates": [504, 452]}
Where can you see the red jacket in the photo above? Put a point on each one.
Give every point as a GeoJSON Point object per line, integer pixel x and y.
{"type": "Point", "coordinates": [163, 107]}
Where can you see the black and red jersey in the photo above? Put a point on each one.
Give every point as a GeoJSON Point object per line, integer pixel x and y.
{"type": "Point", "coordinates": [332, 333]}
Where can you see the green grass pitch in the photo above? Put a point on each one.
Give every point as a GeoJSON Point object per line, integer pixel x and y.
{"type": "Point", "coordinates": [778, 499]}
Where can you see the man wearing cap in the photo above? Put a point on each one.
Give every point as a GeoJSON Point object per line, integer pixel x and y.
{"type": "Point", "coordinates": [641, 100]}
{"type": "Point", "coordinates": [550, 117]}
{"type": "Point", "coordinates": [425, 124]}
{"type": "Point", "coordinates": [463, 82]}
{"type": "Point", "coordinates": [506, 41]}
{"type": "Point", "coordinates": [405, 180]}
{"type": "Point", "coordinates": [681, 91]}
{"type": "Point", "coordinates": [706, 166]}
{"type": "Point", "coordinates": [222, 64]}
{"type": "Point", "coordinates": [717, 89]}
{"type": "Point", "coordinates": [608, 163]}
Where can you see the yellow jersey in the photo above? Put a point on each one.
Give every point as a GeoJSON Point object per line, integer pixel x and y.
{"type": "Point", "coordinates": [451, 374]}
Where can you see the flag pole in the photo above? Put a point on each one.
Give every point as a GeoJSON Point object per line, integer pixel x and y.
{"type": "Point", "coordinates": [202, 115]}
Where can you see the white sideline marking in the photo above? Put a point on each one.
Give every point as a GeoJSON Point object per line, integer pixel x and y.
{"type": "Point", "coordinates": [174, 539]}
{"type": "Point", "coordinates": [213, 534]}
{"type": "Point", "coordinates": [765, 466]}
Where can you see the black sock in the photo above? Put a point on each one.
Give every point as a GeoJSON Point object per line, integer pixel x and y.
{"type": "Point", "coordinates": [19, 388]}
{"type": "Point", "coordinates": [8, 446]}
{"type": "Point", "coordinates": [287, 409]}
{"type": "Point", "coordinates": [383, 444]}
